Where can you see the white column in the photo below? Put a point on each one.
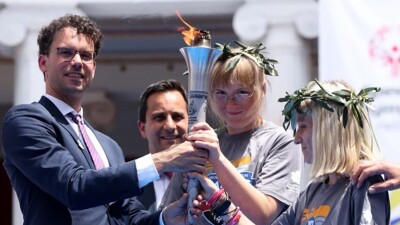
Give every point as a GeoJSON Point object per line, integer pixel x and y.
{"type": "Point", "coordinates": [283, 27]}
{"type": "Point", "coordinates": [21, 24]}
{"type": "Point", "coordinates": [19, 28]}
{"type": "Point", "coordinates": [29, 84]}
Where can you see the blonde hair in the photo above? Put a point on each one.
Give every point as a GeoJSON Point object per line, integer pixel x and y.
{"type": "Point", "coordinates": [338, 149]}
{"type": "Point", "coordinates": [247, 73]}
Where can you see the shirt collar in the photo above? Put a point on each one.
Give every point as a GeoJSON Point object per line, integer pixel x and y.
{"type": "Point", "coordinates": [62, 106]}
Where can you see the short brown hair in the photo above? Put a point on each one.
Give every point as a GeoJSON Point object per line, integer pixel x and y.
{"type": "Point", "coordinates": [82, 24]}
{"type": "Point", "coordinates": [160, 86]}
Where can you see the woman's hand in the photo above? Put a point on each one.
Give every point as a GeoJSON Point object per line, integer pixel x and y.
{"type": "Point", "coordinates": [203, 136]}
{"type": "Point", "coordinates": [208, 186]}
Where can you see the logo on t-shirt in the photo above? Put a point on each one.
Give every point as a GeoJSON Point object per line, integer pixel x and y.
{"type": "Point", "coordinates": [315, 216]}
{"type": "Point", "coordinates": [246, 174]}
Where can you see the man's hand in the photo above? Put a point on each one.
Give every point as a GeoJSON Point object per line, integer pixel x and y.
{"type": "Point", "coordinates": [181, 158]}
{"type": "Point", "coordinates": [176, 213]}
{"type": "Point", "coordinates": [371, 168]}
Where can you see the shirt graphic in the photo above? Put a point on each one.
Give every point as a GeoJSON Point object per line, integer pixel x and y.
{"type": "Point", "coordinates": [315, 216]}
{"type": "Point", "coordinates": [241, 165]}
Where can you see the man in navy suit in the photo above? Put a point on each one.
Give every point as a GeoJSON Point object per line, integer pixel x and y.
{"type": "Point", "coordinates": [46, 154]}
{"type": "Point", "coordinates": [163, 120]}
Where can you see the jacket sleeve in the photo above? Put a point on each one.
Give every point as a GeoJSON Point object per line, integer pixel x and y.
{"type": "Point", "coordinates": [370, 208]}
{"type": "Point", "coordinates": [131, 211]}
{"type": "Point", "coordinates": [39, 149]}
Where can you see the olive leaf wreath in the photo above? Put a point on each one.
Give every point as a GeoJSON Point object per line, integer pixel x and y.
{"type": "Point", "coordinates": [348, 100]}
{"type": "Point", "coordinates": [253, 52]}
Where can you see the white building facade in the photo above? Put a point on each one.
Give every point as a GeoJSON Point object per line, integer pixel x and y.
{"type": "Point", "coordinates": [141, 46]}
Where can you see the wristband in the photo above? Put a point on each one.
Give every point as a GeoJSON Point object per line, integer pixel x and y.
{"type": "Point", "coordinates": [221, 208]}
{"type": "Point", "coordinates": [215, 196]}
{"type": "Point", "coordinates": [235, 219]}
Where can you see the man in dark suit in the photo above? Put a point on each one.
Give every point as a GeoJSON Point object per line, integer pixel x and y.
{"type": "Point", "coordinates": [163, 120]}
{"type": "Point", "coordinates": [64, 171]}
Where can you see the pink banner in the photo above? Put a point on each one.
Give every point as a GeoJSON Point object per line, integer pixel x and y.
{"type": "Point", "coordinates": [359, 42]}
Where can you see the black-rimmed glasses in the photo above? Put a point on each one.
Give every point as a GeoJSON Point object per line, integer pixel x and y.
{"type": "Point", "coordinates": [67, 54]}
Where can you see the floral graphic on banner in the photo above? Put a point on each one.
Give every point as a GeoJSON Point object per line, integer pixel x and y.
{"type": "Point", "coordinates": [384, 47]}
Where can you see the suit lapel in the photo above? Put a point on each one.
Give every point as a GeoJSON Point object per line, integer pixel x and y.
{"type": "Point", "coordinates": [59, 117]}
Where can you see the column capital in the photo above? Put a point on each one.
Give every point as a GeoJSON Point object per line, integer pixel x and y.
{"type": "Point", "coordinates": [17, 20]}
{"type": "Point", "coordinates": [253, 19]}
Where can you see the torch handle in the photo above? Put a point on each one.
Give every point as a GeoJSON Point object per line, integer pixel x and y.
{"type": "Point", "coordinates": [197, 113]}
{"type": "Point", "coordinates": [193, 190]}
{"type": "Point", "coordinates": [200, 61]}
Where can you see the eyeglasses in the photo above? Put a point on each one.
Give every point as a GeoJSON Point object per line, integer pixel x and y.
{"type": "Point", "coordinates": [240, 97]}
{"type": "Point", "coordinates": [67, 54]}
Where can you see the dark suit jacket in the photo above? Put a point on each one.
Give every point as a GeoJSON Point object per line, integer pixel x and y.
{"type": "Point", "coordinates": [55, 179]}
{"type": "Point", "coordinates": [148, 197]}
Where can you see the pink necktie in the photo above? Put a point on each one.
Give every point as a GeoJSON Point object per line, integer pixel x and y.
{"type": "Point", "coordinates": [92, 150]}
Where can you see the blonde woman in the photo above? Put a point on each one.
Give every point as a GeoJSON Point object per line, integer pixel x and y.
{"type": "Point", "coordinates": [334, 132]}
{"type": "Point", "coordinates": [261, 152]}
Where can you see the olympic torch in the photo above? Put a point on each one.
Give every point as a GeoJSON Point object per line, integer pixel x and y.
{"type": "Point", "coordinates": [200, 59]}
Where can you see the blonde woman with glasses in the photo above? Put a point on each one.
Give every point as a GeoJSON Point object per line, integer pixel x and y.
{"type": "Point", "coordinates": [262, 152]}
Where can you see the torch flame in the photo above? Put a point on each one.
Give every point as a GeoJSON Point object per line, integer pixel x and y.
{"type": "Point", "coordinates": [188, 35]}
